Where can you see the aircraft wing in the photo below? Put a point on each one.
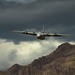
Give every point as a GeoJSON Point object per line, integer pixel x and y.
{"type": "Point", "coordinates": [56, 35]}
{"type": "Point", "coordinates": [25, 32]}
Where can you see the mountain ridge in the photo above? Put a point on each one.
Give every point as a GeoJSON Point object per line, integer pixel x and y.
{"type": "Point", "coordinates": [59, 62]}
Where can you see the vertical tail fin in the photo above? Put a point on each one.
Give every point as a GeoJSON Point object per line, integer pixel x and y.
{"type": "Point", "coordinates": [43, 30]}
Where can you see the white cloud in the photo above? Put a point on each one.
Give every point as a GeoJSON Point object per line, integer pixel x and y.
{"type": "Point", "coordinates": [24, 1]}
{"type": "Point", "coordinates": [25, 52]}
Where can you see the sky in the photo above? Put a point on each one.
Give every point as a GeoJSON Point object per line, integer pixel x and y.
{"type": "Point", "coordinates": [57, 16]}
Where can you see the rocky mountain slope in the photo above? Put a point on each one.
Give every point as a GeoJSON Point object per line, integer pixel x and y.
{"type": "Point", "coordinates": [59, 62]}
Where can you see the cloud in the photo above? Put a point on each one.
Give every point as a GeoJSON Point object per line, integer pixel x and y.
{"type": "Point", "coordinates": [22, 1]}
{"type": "Point", "coordinates": [53, 15]}
{"type": "Point", "coordinates": [25, 52]}
{"type": "Point", "coordinates": [57, 17]}
{"type": "Point", "coordinates": [33, 12]}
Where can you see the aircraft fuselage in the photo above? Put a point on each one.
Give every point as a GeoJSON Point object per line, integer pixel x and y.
{"type": "Point", "coordinates": [40, 36]}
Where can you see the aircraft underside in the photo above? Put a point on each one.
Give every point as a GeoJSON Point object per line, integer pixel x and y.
{"type": "Point", "coordinates": [41, 37]}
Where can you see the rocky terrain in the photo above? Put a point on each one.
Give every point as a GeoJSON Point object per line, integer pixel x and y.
{"type": "Point", "coordinates": [59, 62]}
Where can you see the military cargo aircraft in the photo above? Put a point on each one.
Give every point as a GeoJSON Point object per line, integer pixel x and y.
{"type": "Point", "coordinates": [41, 35]}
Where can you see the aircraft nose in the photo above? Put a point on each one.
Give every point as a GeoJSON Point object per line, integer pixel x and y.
{"type": "Point", "coordinates": [38, 34]}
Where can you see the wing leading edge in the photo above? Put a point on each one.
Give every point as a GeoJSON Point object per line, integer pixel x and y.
{"type": "Point", "coordinates": [24, 32]}
{"type": "Point", "coordinates": [56, 35]}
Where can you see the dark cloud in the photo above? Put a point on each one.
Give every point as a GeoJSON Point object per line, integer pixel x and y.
{"type": "Point", "coordinates": [57, 16]}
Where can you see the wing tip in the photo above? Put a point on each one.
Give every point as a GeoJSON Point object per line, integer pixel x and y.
{"type": "Point", "coordinates": [13, 30]}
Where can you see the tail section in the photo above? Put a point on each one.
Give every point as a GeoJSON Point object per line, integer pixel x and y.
{"type": "Point", "coordinates": [43, 30]}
